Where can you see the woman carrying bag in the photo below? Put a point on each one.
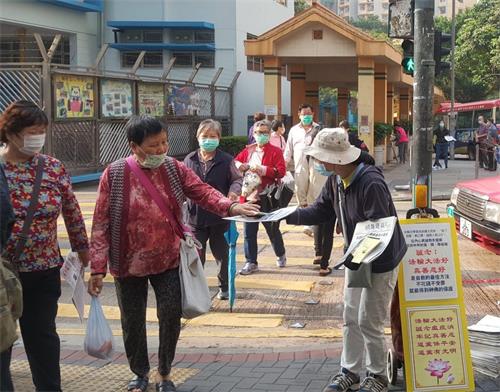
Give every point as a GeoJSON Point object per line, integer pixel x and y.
{"type": "Point", "coordinates": [135, 236]}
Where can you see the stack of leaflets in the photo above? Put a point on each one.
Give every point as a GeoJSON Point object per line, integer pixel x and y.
{"type": "Point", "coordinates": [484, 340]}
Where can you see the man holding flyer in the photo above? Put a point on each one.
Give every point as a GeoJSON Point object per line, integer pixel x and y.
{"type": "Point", "coordinates": [355, 193]}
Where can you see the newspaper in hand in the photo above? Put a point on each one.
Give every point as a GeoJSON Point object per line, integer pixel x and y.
{"type": "Point", "coordinates": [72, 272]}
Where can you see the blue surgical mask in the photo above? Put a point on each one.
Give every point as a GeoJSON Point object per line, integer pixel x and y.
{"type": "Point", "coordinates": [208, 145]}
{"type": "Point", "coordinates": [261, 139]}
{"type": "Point", "coordinates": [152, 161]}
{"type": "Point", "coordinates": [321, 169]}
{"type": "Point", "coordinates": [306, 119]}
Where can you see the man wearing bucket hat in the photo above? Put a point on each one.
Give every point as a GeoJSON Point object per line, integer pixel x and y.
{"type": "Point", "coordinates": [356, 192]}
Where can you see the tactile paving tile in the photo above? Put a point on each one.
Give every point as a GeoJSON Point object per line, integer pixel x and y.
{"type": "Point", "coordinates": [108, 378]}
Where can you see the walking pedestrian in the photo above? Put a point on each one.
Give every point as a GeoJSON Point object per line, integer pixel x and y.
{"type": "Point", "coordinates": [491, 145]}
{"type": "Point", "coordinates": [481, 139]}
{"type": "Point", "coordinates": [401, 138]}
{"type": "Point", "coordinates": [267, 161]}
{"type": "Point", "coordinates": [300, 136]}
{"type": "Point", "coordinates": [38, 259]}
{"type": "Point", "coordinates": [217, 169]}
{"type": "Point", "coordinates": [356, 193]}
{"type": "Point", "coordinates": [258, 116]}
{"type": "Point", "coordinates": [132, 236]}
{"type": "Point", "coordinates": [441, 146]}
{"type": "Point", "coordinates": [277, 135]}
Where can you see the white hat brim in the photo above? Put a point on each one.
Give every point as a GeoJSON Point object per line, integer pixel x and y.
{"type": "Point", "coordinates": [336, 157]}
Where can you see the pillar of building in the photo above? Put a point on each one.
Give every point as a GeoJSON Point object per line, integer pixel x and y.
{"type": "Point", "coordinates": [404, 103]}
{"type": "Point", "coordinates": [390, 103]}
{"type": "Point", "coordinates": [380, 97]}
{"type": "Point", "coordinates": [297, 90]}
{"type": "Point", "coordinates": [312, 97]}
{"type": "Point", "coordinates": [342, 104]}
{"type": "Point", "coordinates": [272, 87]}
{"type": "Point", "coordinates": [366, 91]}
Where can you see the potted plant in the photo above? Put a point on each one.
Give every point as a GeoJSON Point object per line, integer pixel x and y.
{"type": "Point", "coordinates": [381, 131]}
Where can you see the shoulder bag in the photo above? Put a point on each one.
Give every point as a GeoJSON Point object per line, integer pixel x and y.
{"type": "Point", "coordinates": [194, 288]}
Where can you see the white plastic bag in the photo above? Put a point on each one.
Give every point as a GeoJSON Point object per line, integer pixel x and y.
{"type": "Point", "coordinates": [98, 337]}
{"type": "Point", "coordinates": [288, 180]}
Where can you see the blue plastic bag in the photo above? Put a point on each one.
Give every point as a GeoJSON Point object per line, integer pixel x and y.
{"type": "Point", "coordinates": [98, 337]}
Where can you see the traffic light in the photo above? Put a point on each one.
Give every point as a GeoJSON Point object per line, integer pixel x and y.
{"type": "Point", "coordinates": [441, 50]}
{"type": "Point", "coordinates": [408, 62]}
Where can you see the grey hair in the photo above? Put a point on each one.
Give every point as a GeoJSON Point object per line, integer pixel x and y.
{"type": "Point", "coordinates": [263, 123]}
{"type": "Point", "coordinates": [210, 125]}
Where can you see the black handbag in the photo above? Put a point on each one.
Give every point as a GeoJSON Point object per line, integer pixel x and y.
{"type": "Point", "coordinates": [274, 197]}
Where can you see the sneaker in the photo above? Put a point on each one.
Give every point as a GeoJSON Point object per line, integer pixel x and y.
{"type": "Point", "coordinates": [308, 230]}
{"type": "Point", "coordinates": [249, 268]}
{"type": "Point", "coordinates": [281, 261]}
{"type": "Point", "coordinates": [373, 383]}
{"type": "Point", "coordinates": [343, 382]}
{"type": "Point", "coordinates": [223, 295]}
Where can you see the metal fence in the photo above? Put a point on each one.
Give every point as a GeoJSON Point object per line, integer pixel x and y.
{"type": "Point", "coordinates": [89, 140]}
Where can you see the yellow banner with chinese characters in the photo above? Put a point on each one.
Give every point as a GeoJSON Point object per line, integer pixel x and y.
{"type": "Point", "coordinates": [434, 325]}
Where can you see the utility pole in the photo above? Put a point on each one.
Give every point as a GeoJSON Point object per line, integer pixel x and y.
{"type": "Point", "coordinates": [423, 94]}
{"type": "Point", "coordinates": [453, 117]}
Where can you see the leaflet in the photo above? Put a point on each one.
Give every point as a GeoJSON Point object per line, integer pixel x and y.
{"type": "Point", "coordinates": [274, 216]}
{"type": "Point", "coordinates": [72, 273]}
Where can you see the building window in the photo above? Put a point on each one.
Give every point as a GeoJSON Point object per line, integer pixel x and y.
{"type": "Point", "coordinates": [282, 2]}
{"type": "Point", "coordinates": [190, 59]}
{"type": "Point", "coordinates": [370, 7]}
{"type": "Point", "coordinates": [194, 36]}
{"type": "Point", "coordinates": [150, 60]}
{"type": "Point", "coordinates": [23, 48]}
{"type": "Point", "coordinates": [442, 10]}
{"type": "Point", "coordinates": [153, 36]}
{"type": "Point", "coordinates": [255, 64]}
{"type": "Point", "coordinates": [385, 6]}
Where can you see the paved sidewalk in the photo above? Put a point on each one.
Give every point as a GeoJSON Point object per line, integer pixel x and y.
{"type": "Point", "coordinates": [293, 371]}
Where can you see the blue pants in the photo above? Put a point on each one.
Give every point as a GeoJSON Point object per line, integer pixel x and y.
{"type": "Point", "coordinates": [441, 153]}
{"type": "Point", "coordinates": [250, 244]}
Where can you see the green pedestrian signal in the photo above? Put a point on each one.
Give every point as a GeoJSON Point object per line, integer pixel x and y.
{"type": "Point", "coordinates": [408, 65]}
{"type": "Point", "coordinates": [408, 62]}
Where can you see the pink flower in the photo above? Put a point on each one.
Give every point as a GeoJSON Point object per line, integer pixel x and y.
{"type": "Point", "coordinates": [438, 368]}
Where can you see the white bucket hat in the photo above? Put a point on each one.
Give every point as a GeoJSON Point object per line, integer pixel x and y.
{"type": "Point", "coordinates": [332, 145]}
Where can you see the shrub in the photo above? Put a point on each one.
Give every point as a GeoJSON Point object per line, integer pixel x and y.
{"type": "Point", "coordinates": [382, 130]}
{"type": "Point", "coordinates": [233, 144]}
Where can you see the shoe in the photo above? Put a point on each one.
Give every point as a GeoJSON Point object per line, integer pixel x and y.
{"type": "Point", "coordinates": [249, 268]}
{"type": "Point", "coordinates": [317, 260]}
{"type": "Point", "coordinates": [223, 295]}
{"type": "Point", "coordinates": [308, 230]}
{"type": "Point", "coordinates": [281, 261]}
{"type": "Point", "coordinates": [325, 272]}
{"type": "Point", "coordinates": [166, 386]}
{"type": "Point", "coordinates": [373, 383]}
{"type": "Point", "coordinates": [343, 382]}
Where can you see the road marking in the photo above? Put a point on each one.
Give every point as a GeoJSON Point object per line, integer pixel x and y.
{"type": "Point", "coordinates": [247, 282]}
{"type": "Point", "coordinates": [251, 320]}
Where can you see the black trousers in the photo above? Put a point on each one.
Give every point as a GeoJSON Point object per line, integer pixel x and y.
{"type": "Point", "coordinates": [132, 294]}
{"type": "Point", "coordinates": [219, 247]}
{"type": "Point", "coordinates": [5, 376]}
{"type": "Point", "coordinates": [323, 242]}
{"type": "Point", "coordinates": [41, 291]}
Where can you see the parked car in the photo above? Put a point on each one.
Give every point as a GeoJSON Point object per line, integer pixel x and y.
{"type": "Point", "coordinates": [475, 206]}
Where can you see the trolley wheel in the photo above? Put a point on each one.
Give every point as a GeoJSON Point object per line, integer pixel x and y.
{"type": "Point", "coordinates": [393, 364]}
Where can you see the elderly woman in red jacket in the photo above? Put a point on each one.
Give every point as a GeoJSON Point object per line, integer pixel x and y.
{"type": "Point", "coordinates": [267, 161]}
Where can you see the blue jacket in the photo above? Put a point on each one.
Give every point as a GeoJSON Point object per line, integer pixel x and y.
{"type": "Point", "coordinates": [6, 212]}
{"type": "Point", "coordinates": [366, 198]}
{"type": "Point", "coordinates": [218, 176]}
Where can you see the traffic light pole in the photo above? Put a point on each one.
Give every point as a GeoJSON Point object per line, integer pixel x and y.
{"type": "Point", "coordinates": [423, 94]}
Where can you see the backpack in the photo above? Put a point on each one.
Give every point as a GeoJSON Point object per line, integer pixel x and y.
{"type": "Point", "coordinates": [11, 304]}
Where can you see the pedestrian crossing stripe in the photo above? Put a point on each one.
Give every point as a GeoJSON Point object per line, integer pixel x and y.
{"type": "Point", "coordinates": [250, 320]}
{"type": "Point", "coordinates": [247, 282]}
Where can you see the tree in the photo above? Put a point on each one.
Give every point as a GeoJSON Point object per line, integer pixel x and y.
{"type": "Point", "coordinates": [300, 5]}
{"type": "Point", "coordinates": [370, 23]}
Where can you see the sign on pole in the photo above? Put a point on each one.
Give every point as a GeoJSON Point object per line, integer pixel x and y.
{"type": "Point", "coordinates": [401, 19]}
{"type": "Point", "coordinates": [434, 325]}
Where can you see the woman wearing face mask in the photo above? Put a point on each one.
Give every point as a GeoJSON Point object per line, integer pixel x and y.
{"type": "Point", "coordinates": [441, 146]}
{"type": "Point", "coordinates": [267, 161]}
{"type": "Point", "coordinates": [277, 135]}
{"type": "Point", "coordinates": [138, 242]}
{"type": "Point", "coordinates": [38, 259]}
{"type": "Point", "coordinates": [218, 170]}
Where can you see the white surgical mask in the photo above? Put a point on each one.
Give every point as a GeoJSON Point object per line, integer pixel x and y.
{"type": "Point", "coordinates": [32, 144]}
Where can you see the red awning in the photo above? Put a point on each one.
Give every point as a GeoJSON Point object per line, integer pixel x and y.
{"type": "Point", "coordinates": [445, 107]}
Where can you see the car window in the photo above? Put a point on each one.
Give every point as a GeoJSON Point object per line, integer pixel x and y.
{"type": "Point", "coordinates": [464, 120]}
{"type": "Point", "coordinates": [463, 136]}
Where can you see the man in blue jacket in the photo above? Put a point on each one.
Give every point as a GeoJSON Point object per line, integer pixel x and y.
{"type": "Point", "coordinates": [356, 192]}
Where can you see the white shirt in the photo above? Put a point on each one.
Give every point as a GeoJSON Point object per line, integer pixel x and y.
{"type": "Point", "coordinates": [298, 139]}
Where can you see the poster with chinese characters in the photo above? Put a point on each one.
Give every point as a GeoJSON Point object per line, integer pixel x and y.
{"type": "Point", "coordinates": [433, 320]}
{"type": "Point", "coordinates": [437, 348]}
{"type": "Point", "coordinates": [151, 97]}
{"type": "Point", "coordinates": [429, 266]}
{"type": "Point", "coordinates": [74, 97]}
{"type": "Point", "coordinates": [116, 98]}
